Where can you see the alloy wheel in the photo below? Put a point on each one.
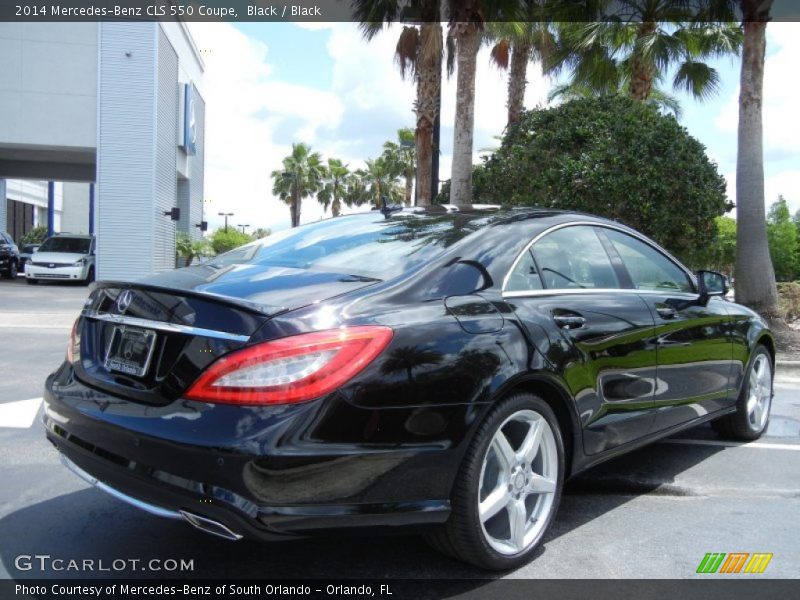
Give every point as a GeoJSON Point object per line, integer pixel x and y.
{"type": "Point", "coordinates": [518, 481]}
{"type": "Point", "coordinates": [759, 393]}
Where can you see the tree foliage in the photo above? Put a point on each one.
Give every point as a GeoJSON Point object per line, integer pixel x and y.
{"type": "Point", "coordinates": [37, 235]}
{"type": "Point", "coordinates": [333, 186]}
{"type": "Point", "coordinates": [719, 254]}
{"type": "Point", "coordinates": [629, 46]}
{"type": "Point", "coordinates": [783, 242]}
{"type": "Point", "coordinates": [261, 232]}
{"type": "Point", "coordinates": [615, 157]}
{"type": "Point", "coordinates": [400, 159]}
{"type": "Point", "coordinates": [301, 176]}
{"type": "Point", "coordinates": [223, 241]}
{"type": "Point", "coordinates": [189, 248]}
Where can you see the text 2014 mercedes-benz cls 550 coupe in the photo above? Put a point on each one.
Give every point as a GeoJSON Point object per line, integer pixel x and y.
{"type": "Point", "coordinates": [437, 370]}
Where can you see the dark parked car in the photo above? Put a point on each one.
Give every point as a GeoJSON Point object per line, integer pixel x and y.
{"type": "Point", "coordinates": [445, 371]}
{"type": "Point", "coordinates": [9, 256]}
{"type": "Point", "coordinates": [26, 252]}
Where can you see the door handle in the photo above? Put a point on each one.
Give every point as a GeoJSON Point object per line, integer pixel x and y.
{"type": "Point", "coordinates": [569, 321]}
{"type": "Point", "coordinates": [666, 312]}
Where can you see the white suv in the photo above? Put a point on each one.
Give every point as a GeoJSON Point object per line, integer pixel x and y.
{"type": "Point", "coordinates": [63, 257]}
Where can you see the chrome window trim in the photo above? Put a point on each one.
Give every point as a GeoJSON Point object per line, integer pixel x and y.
{"type": "Point", "coordinates": [521, 293]}
{"type": "Point", "coordinates": [573, 291]}
{"type": "Point", "coordinates": [162, 326]}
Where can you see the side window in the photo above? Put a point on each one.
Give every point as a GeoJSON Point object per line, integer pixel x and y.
{"type": "Point", "coordinates": [574, 257]}
{"type": "Point", "coordinates": [523, 276]}
{"type": "Point", "coordinates": [648, 268]}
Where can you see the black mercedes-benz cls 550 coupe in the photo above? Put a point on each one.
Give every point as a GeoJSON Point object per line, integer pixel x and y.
{"type": "Point", "coordinates": [436, 370]}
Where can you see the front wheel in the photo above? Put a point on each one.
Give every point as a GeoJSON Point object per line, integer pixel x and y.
{"type": "Point", "coordinates": [751, 418]}
{"type": "Point", "coordinates": [508, 488]}
{"type": "Point", "coordinates": [11, 273]}
{"type": "Point", "coordinates": [89, 277]}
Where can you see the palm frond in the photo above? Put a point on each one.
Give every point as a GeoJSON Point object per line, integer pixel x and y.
{"type": "Point", "coordinates": [500, 54]}
{"type": "Point", "coordinates": [697, 78]}
{"type": "Point", "coordinates": [407, 50]}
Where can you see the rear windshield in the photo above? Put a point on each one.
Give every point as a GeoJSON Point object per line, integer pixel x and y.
{"type": "Point", "coordinates": [66, 244]}
{"type": "Point", "coordinates": [369, 246]}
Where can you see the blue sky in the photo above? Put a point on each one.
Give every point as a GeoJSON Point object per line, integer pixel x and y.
{"type": "Point", "coordinates": [270, 84]}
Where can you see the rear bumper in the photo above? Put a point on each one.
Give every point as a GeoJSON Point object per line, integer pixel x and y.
{"type": "Point", "coordinates": [176, 464]}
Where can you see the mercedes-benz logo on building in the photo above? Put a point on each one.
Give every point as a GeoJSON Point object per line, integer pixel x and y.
{"type": "Point", "coordinates": [192, 123]}
{"type": "Point", "coordinates": [124, 300]}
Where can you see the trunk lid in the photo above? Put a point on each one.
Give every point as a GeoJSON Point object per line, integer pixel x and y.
{"type": "Point", "coordinates": [183, 320]}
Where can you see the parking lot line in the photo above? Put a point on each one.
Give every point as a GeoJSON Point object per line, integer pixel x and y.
{"type": "Point", "coordinates": [20, 414]}
{"type": "Point", "coordinates": [760, 445]}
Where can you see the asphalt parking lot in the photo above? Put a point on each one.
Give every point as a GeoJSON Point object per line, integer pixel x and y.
{"type": "Point", "coordinates": [651, 514]}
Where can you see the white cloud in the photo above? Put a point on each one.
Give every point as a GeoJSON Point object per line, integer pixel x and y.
{"type": "Point", "coordinates": [244, 106]}
{"type": "Point", "coordinates": [781, 119]}
{"type": "Point", "coordinates": [248, 108]}
{"type": "Point", "coordinates": [786, 184]}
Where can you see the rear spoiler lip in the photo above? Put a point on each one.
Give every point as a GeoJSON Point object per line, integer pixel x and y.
{"type": "Point", "coordinates": [265, 310]}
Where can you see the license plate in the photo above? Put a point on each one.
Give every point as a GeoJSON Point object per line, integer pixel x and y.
{"type": "Point", "coordinates": [130, 350]}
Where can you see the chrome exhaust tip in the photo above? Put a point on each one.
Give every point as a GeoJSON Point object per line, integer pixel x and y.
{"type": "Point", "coordinates": [202, 523]}
{"type": "Point", "coordinates": [210, 526]}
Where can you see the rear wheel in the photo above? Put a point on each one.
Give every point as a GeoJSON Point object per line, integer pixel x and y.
{"type": "Point", "coordinates": [751, 418]}
{"type": "Point", "coordinates": [508, 488]}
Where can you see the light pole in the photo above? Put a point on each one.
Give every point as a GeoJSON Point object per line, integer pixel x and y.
{"type": "Point", "coordinates": [243, 226]}
{"type": "Point", "coordinates": [226, 215]}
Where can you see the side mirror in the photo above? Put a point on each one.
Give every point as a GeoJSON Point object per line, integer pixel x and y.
{"type": "Point", "coordinates": [711, 283]}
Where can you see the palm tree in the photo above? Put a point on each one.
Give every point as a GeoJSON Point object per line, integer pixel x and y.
{"type": "Point", "coordinates": [333, 189]}
{"type": "Point", "coordinates": [755, 275]}
{"type": "Point", "coordinates": [419, 56]}
{"type": "Point", "coordinates": [515, 45]}
{"type": "Point", "coordinates": [407, 358]}
{"type": "Point", "coordinates": [400, 157]}
{"type": "Point", "coordinates": [658, 97]}
{"type": "Point", "coordinates": [467, 19]}
{"type": "Point", "coordinates": [374, 183]}
{"type": "Point", "coordinates": [466, 24]}
{"type": "Point", "coordinates": [632, 50]}
{"type": "Point", "coordinates": [300, 177]}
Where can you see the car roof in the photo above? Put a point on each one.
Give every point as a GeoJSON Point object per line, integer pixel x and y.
{"type": "Point", "coordinates": [533, 217]}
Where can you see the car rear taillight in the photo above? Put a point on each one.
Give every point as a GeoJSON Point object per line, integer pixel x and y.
{"type": "Point", "coordinates": [292, 369]}
{"type": "Point", "coordinates": [72, 345]}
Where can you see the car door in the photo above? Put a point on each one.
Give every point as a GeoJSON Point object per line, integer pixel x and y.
{"type": "Point", "coordinates": [694, 347]}
{"type": "Point", "coordinates": [569, 295]}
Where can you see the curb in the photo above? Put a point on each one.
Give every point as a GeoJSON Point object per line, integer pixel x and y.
{"type": "Point", "coordinates": [787, 371]}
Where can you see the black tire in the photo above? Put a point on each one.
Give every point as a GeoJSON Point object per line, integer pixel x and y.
{"type": "Point", "coordinates": [739, 425]}
{"type": "Point", "coordinates": [89, 277]}
{"type": "Point", "coordinates": [30, 281]}
{"type": "Point", "coordinates": [462, 536]}
{"type": "Point", "coordinates": [11, 272]}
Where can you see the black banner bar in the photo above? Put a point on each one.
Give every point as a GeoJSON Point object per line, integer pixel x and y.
{"type": "Point", "coordinates": [329, 11]}
{"type": "Point", "coordinates": [723, 588]}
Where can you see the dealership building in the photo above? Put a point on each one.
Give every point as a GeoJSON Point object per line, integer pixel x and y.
{"type": "Point", "coordinates": [102, 131]}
